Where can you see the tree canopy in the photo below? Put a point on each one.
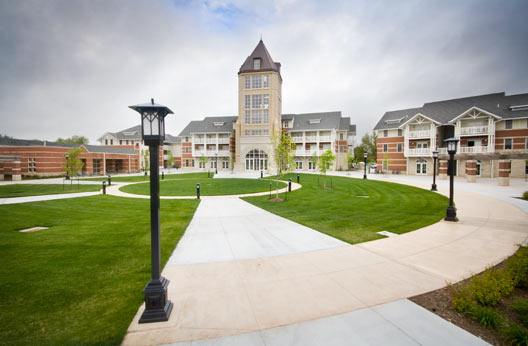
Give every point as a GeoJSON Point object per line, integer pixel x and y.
{"type": "Point", "coordinates": [73, 164]}
{"type": "Point", "coordinates": [74, 140]}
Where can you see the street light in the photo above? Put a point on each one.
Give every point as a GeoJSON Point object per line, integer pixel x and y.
{"type": "Point", "coordinates": [435, 156]}
{"type": "Point", "coordinates": [451, 149]}
{"type": "Point", "coordinates": [157, 306]}
{"type": "Point", "coordinates": [365, 164]}
{"type": "Point", "coordinates": [216, 163]}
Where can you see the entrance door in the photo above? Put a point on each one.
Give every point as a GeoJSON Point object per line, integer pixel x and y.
{"type": "Point", "coordinates": [478, 168]}
{"type": "Point", "coordinates": [256, 160]}
{"type": "Point", "coordinates": [421, 167]}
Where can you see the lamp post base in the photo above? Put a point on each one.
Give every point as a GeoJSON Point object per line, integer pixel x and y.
{"type": "Point", "coordinates": [451, 214]}
{"type": "Point", "coordinates": [157, 307]}
{"type": "Point", "coordinates": [433, 187]}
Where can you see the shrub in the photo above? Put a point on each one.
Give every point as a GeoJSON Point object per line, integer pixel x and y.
{"type": "Point", "coordinates": [488, 288]}
{"type": "Point", "coordinates": [462, 300]}
{"type": "Point", "coordinates": [520, 306]}
{"type": "Point", "coordinates": [486, 316]}
{"type": "Point", "coordinates": [525, 195]}
{"type": "Point", "coordinates": [517, 266]}
{"type": "Point", "coordinates": [516, 335]}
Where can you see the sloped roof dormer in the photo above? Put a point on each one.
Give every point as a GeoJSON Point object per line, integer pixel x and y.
{"type": "Point", "coordinates": [259, 60]}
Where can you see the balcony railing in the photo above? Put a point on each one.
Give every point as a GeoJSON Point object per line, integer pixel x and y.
{"type": "Point", "coordinates": [419, 152]}
{"type": "Point", "coordinates": [223, 140]}
{"type": "Point", "coordinates": [420, 134]}
{"type": "Point", "coordinates": [299, 152]}
{"type": "Point", "coordinates": [473, 150]}
{"type": "Point", "coordinates": [199, 141]}
{"type": "Point", "coordinates": [211, 140]}
{"type": "Point", "coordinates": [311, 138]}
{"type": "Point", "coordinates": [297, 139]}
{"type": "Point", "coordinates": [324, 139]}
{"type": "Point", "coordinates": [223, 153]}
{"type": "Point", "coordinates": [442, 151]}
{"type": "Point", "coordinates": [474, 130]}
{"type": "Point", "coordinates": [198, 153]}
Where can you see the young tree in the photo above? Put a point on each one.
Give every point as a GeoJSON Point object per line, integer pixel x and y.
{"type": "Point", "coordinates": [350, 160]}
{"type": "Point", "coordinates": [74, 140]}
{"type": "Point", "coordinates": [314, 160]}
{"type": "Point", "coordinates": [369, 143]}
{"type": "Point", "coordinates": [325, 162]}
{"type": "Point", "coordinates": [170, 159]}
{"type": "Point", "coordinates": [284, 156]}
{"type": "Point", "coordinates": [73, 163]}
{"type": "Point", "coordinates": [145, 156]}
{"type": "Point", "coordinates": [204, 159]}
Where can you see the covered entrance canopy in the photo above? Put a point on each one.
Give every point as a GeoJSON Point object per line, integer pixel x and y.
{"type": "Point", "coordinates": [256, 160]}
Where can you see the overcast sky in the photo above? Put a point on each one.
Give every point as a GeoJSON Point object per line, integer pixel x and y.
{"type": "Point", "coordinates": [72, 67]}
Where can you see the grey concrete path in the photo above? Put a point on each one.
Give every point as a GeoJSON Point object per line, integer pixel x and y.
{"type": "Point", "coordinates": [231, 229]}
{"type": "Point", "coordinates": [17, 200]}
{"type": "Point", "coordinates": [397, 323]}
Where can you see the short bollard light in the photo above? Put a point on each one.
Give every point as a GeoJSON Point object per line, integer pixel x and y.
{"type": "Point", "coordinates": [109, 180]}
{"type": "Point", "coordinates": [104, 187]}
{"type": "Point", "coordinates": [365, 166]}
{"type": "Point", "coordinates": [298, 178]}
{"type": "Point", "coordinates": [208, 174]}
{"type": "Point", "coordinates": [289, 185]}
{"type": "Point", "coordinates": [198, 191]}
{"type": "Point", "coordinates": [261, 174]}
{"type": "Point", "coordinates": [162, 175]}
{"type": "Point", "coordinates": [145, 176]}
{"type": "Point", "coordinates": [270, 190]}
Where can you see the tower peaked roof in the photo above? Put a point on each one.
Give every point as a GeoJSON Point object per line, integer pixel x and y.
{"type": "Point", "coordinates": [266, 62]}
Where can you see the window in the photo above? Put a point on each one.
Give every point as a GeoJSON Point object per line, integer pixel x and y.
{"type": "Point", "coordinates": [285, 123]}
{"type": "Point", "coordinates": [213, 164]}
{"type": "Point", "coordinates": [298, 164]}
{"type": "Point", "coordinates": [399, 147]}
{"type": "Point", "coordinates": [257, 117]}
{"type": "Point", "coordinates": [192, 163]}
{"type": "Point", "coordinates": [106, 141]}
{"type": "Point", "coordinates": [508, 125]}
{"type": "Point", "coordinates": [526, 144]}
{"type": "Point", "coordinates": [225, 164]}
{"type": "Point", "coordinates": [421, 167]}
{"type": "Point", "coordinates": [111, 142]}
{"type": "Point", "coordinates": [186, 163]}
{"type": "Point", "coordinates": [127, 142]}
{"type": "Point", "coordinates": [186, 150]}
{"type": "Point", "coordinates": [186, 139]}
{"type": "Point", "coordinates": [256, 101]}
{"type": "Point", "coordinates": [120, 142]}
{"type": "Point", "coordinates": [341, 149]}
{"type": "Point", "coordinates": [256, 82]}
{"type": "Point", "coordinates": [385, 148]}
{"type": "Point", "coordinates": [400, 132]}
{"type": "Point", "coordinates": [256, 64]}
{"type": "Point", "coordinates": [265, 80]}
{"type": "Point", "coordinates": [248, 115]}
{"type": "Point", "coordinates": [248, 101]}
{"type": "Point", "coordinates": [314, 121]}
{"type": "Point", "coordinates": [265, 114]}
{"type": "Point", "coordinates": [201, 164]}
{"type": "Point", "coordinates": [385, 133]}
{"type": "Point", "coordinates": [32, 165]}
{"type": "Point", "coordinates": [385, 165]}
{"type": "Point", "coordinates": [247, 82]}
{"type": "Point", "coordinates": [508, 143]}
{"type": "Point", "coordinates": [266, 101]}
{"type": "Point", "coordinates": [340, 136]}
{"type": "Point", "coordinates": [312, 165]}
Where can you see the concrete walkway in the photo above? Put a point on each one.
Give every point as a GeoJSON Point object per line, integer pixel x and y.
{"type": "Point", "coordinates": [221, 299]}
{"type": "Point", "coordinates": [16, 200]}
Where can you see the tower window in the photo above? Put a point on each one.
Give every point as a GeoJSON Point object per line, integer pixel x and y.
{"type": "Point", "coordinates": [248, 85]}
{"type": "Point", "coordinates": [256, 64]}
{"type": "Point", "coordinates": [265, 79]}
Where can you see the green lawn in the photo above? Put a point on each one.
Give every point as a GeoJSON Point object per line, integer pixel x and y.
{"type": "Point", "coordinates": [208, 187]}
{"type": "Point", "coordinates": [21, 190]}
{"type": "Point", "coordinates": [80, 281]}
{"type": "Point", "coordinates": [140, 178]}
{"type": "Point", "coordinates": [341, 213]}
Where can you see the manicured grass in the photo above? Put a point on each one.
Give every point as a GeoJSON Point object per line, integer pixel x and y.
{"type": "Point", "coordinates": [208, 187]}
{"type": "Point", "coordinates": [21, 190]}
{"type": "Point", "coordinates": [341, 213]}
{"type": "Point", "coordinates": [80, 281]}
{"type": "Point", "coordinates": [140, 178]}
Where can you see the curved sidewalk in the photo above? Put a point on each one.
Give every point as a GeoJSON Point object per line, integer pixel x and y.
{"type": "Point", "coordinates": [228, 298]}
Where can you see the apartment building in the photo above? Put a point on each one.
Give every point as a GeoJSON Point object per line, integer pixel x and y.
{"type": "Point", "coordinates": [244, 142]}
{"type": "Point", "coordinates": [490, 128]}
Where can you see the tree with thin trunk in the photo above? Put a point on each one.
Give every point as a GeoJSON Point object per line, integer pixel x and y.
{"type": "Point", "coordinates": [325, 162]}
{"type": "Point", "coordinates": [204, 160]}
{"type": "Point", "coordinates": [314, 159]}
{"type": "Point", "coordinates": [284, 156]}
{"type": "Point", "coordinates": [145, 156]}
{"type": "Point", "coordinates": [170, 159]}
{"type": "Point", "coordinates": [73, 164]}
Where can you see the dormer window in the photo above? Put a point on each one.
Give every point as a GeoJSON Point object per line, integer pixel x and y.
{"type": "Point", "coordinates": [218, 123]}
{"type": "Point", "coordinates": [256, 64]}
{"type": "Point", "coordinates": [315, 121]}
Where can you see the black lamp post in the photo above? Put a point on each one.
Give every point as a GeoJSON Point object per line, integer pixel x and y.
{"type": "Point", "coordinates": [435, 157]}
{"type": "Point", "coordinates": [365, 166]}
{"type": "Point", "coordinates": [157, 307]}
{"type": "Point", "coordinates": [216, 163]}
{"type": "Point", "coordinates": [451, 149]}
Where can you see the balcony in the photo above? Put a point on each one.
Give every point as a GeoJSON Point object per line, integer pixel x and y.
{"type": "Point", "coordinates": [419, 152]}
{"type": "Point", "coordinates": [297, 139]}
{"type": "Point", "coordinates": [198, 153]}
{"type": "Point", "coordinates": [199, 141]}
{"type": "Point", "coordinates": [420, 134]}
{"type": "Point", "coordinates": [223, 140]}
{"type": "Point", "coordinates": [211, 140]}
{"type": "Point", "coordinates": [223, 153]}
{"type": "Point", "coordinates": [474, 130]}
{"type": "Point", "coordinates": [324, 139]}
{"type": "Point", "coordinates": [442, 151]}
{"type": "Point", "coordinates": [299, 152]}
{"type": "Point", "coordinates": [311, 138]}
{"type": "Point", "coordinates": [474, 150]}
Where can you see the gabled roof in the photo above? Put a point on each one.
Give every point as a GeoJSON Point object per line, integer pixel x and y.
{"type": "Point", "coordinates": [445, 111]}
{"type": "Point", "coordinates": [209, 125]}
{"type": "Point", "coordinates": [315, 121]}
{"type": "Point", "coordinates": [344, 124]}
{"type": "Point", "coordinates": [408, 120]}
{"type": "Point", "coordinates": [172, 139]}
{"type": "Point", "coordinates": [99, 149]}
{"type": "Point", "coordinates": [266, 62]}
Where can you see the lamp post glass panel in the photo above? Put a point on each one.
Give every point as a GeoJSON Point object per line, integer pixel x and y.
{"type": "Point", "coordinates": [365, 166]}
{"type": "Point", "coordinates": [451, 149]}
{"type": "Point", "coordinates": [435, 157]}
{"type": "Point", "coordinates": [157, 306]}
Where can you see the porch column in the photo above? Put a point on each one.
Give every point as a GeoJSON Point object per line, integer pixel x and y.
{"type": "Point", "coordinates": [443, 169]}
{"type": "Point", "coordinates": [471, 171]}
{"type": "Point", "coordinates": [504, 172]}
